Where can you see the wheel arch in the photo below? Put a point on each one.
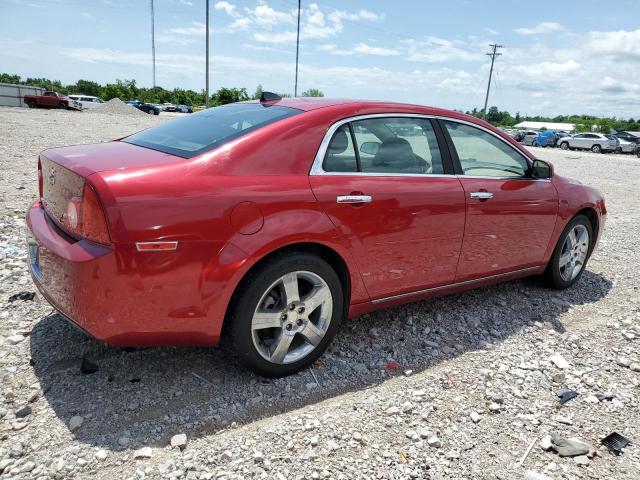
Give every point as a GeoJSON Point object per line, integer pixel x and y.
{"type": "Point", "coordinates": [592, 215]}
{"type": "Point", "coordinates": [328, 254]}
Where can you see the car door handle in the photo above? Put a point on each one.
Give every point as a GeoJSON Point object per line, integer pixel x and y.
{"type": "Point", "coordinates": [481, 195]}
{"type": "Point", "coordinates": [353, 199]}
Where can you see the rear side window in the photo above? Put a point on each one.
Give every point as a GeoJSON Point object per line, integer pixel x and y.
{"type": "Point", "coordinates": [203, 131]}
{"type": "Point", "coordinates": [393, 145]}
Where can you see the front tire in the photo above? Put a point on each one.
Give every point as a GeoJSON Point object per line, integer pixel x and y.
{"type": "Point", "coordinates": [286, 313]}
{"type": "Point", "coordinates": [571, 254]}
{"type": "Point", "coordinates": [564, 146]}
{"type": "Point", "coordinates": [596, 149]}
{"type": "Point", "coordinates": [63, 106]}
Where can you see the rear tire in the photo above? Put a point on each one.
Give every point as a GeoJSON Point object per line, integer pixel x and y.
{"type": "Point", "coordinates": [32, 105]}
{"type": "Point", "coordinates": [596, 149]}
{"type": "Point", "coordinates": [285, 314]}
{"type": "Point", "coordinates": [571, 254]}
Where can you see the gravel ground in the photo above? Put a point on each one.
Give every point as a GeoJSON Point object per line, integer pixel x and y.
{"type": "Point", "coordinates": [450, 388]}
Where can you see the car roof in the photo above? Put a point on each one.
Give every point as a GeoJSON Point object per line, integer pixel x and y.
{"type": "Point", "coordinates": [314, 103]}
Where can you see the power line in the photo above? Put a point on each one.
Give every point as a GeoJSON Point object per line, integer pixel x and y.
{"type": "Point", "coordinates": [153, 45]}
{"type": "Point", "coordinates": [493, 56]}
{"type": "Point", "coordinates": [295, 89]}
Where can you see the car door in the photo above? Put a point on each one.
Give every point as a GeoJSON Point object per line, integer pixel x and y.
{"type": "Point", "coordinates": [580, 141]}
{"type": "Point", "coordinates": [384, 183]}
{"type": "Point", "coordinates": [510, 216]}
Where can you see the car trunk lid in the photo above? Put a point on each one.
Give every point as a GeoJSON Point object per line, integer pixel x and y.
{"type": "Point", "coordinates": [64, 170]}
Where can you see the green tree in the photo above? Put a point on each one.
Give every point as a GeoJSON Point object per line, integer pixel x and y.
{"type": "Point", "coordinates": [7, 78]}
{"type": "Point", "coordinates": [230, 95]}
{"type": "Point", "coordinates": [258, 93]}
{"type": "Point", "coordinates": [87, 87]}
{"type": "Point", "coordinates": [312, 92]}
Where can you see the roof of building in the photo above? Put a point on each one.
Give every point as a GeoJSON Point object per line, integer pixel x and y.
{"type": "Point", "coordinates": [547, 125]}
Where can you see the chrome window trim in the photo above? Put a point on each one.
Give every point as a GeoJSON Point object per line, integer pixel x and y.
{"type": "Point", "coordinates": [316, 167]}
{"type": "Point", "coordinates": [455, 284]}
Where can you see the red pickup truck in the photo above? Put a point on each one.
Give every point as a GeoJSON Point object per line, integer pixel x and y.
{"type": "Point", "coordinates": [51, 100]}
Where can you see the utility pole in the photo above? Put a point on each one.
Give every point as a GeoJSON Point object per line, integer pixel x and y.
{"type": "Point", "coordinates": [295, 89]}
{"type": "Point", "coordinates": [153, 45]}
{"type": "Point", "coordinates": [493, 56]}
{"type": "Point", "coordinates": [206, 97]}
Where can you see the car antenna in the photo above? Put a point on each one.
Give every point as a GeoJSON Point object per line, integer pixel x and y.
{"type": "Point", "coordinates": [269, 97]}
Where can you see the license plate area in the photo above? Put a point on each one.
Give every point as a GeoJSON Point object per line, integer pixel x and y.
{"type": "Point", "coordinates": [34, 257]}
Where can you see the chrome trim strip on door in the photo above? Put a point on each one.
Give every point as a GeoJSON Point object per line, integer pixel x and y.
{"type": "Point", "coordinates": [453, 285]}
{"type": "Point", "coordinates": [316, 167]}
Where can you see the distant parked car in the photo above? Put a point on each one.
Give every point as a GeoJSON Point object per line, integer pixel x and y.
{"type": "Point", "coordinates": [596, 142]}
{"type": "Point", "coordinates": [629, 137]}
{"type": "Point", "coordinates": [150, 108]}
{"type": "Point", "coordinates": [528, 137]}
{"type": "Point", "coordinates": [626, 147]}
{"type": "Point", "coordinates": [519, 135]}
{"type": "Point", "coordinates": [545, 139]}
{"type": "Point", "coordinates": [168, 107]}
{"type": "Point", "coordinates": [50, 99]}
{"type": "Point", "coordinates": [184, 108]}
{"type": "Point", "coordinates": [87, 101]}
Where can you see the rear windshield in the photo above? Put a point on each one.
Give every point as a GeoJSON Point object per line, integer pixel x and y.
{"type": "Point", "coordinates": [203, 131]}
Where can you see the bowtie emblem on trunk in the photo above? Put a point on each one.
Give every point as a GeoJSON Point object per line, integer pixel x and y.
{"type": "Point", "coordinates": [52, 176]}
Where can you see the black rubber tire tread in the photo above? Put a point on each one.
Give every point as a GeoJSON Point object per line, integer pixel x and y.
{"type": "Point", "coordinates": [552, 275]}
{"type": "Point", "coordinates": [251, 290]}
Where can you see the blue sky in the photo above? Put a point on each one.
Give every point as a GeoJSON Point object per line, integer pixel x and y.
{"type": "Point", "coordinates": [565, 57]}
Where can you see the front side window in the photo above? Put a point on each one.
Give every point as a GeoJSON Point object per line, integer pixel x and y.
{"type": "Point", "coordinates": [393, 145]}
{"type": "Point", "coordinates": [203, 131]}
{"type": "Point", "coordinates": [483, 154]}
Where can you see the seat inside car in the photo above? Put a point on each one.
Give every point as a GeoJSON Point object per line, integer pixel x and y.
{"type": "Point", "coordinates": [395, 155]}
{"type": "Point", "coordinates": [335, 160]}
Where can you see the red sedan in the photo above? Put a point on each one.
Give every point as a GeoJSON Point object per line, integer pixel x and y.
{"type": "Point", "coordinates": [277, 219]}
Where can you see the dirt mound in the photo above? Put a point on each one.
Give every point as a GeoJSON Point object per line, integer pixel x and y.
{"type": "Point", "coordinates": [115, 106]}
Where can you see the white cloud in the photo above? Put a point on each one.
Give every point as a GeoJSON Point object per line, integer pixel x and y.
{"type": "Point", "coordinates": [547, 69]}
{"type": "Point", "coordinates": [270, 37]}
{"type": "Point", "coordinates": [434, 49]}
{"type": "Point", "coordinates": [196, 28]}
{"type": "Point", "coordinates": [187, 3]}
{"type": "Point", "coordinates": [369, 50]}
{"type": "Point", "coordinates": [540, 28]}
{"type": "Point", "coordinates": [339, 15]}
{"type": "Point", "coordinates": [227, 8]}
{"type": "Point", "coordinates": [620, 44]}
{"type": "Point", "coordinates": [278, 26]}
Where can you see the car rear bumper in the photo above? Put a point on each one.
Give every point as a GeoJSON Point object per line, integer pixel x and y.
{"type": "Point", "coordinates": [130, 298]}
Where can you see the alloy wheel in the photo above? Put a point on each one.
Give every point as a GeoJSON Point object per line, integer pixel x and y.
{"type": "Point", "coordinates": [292, 317]}
{"type": "Point", "coordinates": [574, 252]}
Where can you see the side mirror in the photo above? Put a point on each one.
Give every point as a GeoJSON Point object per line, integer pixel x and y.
{"type": "Point", "coordinates": [370, 148]}
{"type": "Point", "coordinates": [541, 170]}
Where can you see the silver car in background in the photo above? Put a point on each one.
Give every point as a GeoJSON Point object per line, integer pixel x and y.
{"type": "Point", "coordinates": [626, 147]}
{"type": "Point", "coordinates": [596, 142]}
{"type": "Point", "coordinates": [529, 137]}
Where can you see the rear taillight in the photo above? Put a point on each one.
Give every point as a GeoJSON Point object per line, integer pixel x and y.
{"type": "Point", "coordinates": [85, 217]}
{"type": "Point", "coordinates": [39, 179]}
